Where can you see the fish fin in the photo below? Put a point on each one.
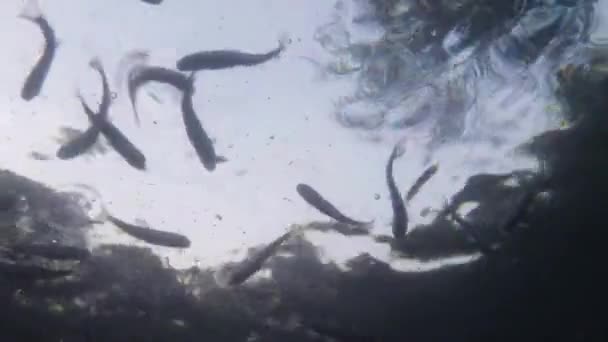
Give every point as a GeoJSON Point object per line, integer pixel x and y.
{"type": "Point", "coordinates": [31, 11]}
{"type": "Point", "coordinates": [142, 223]}
{"type": "Point", "coordinates": [220, 159]}
{"type": "Point", "coordinates": [133, 92]}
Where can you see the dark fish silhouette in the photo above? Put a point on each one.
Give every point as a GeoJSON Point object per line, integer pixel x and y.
{"type": "Point", "coordinates": [153, 2]}
{"type": "Point", "coordinates": [196, 134]}
{"type": "Point", "coordinates": [153, 236]}
{"type": "Point", "coordinates": [141, 74]}
{"type": "Point", "coordinates": [315, 199]}
{"type": "Point", "coordinates": [52, 251]}
{"type": "Point", "coordinates": [82, 142]}
{"type": "Point", "coordinates": [400, 219]}
{"type": "Point", "coordinates": [224, 59]}
{"type": "Point", "coordinates": [35, 79]}
{"type": "Point", "coordinates": [424, 177]}
{"type": "Point", "coordinates": [244, 270]}
{"type": "Point", "coordinates": [117, 140]}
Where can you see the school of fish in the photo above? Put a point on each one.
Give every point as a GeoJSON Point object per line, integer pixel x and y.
{"type": "Point", "coordinates": [138, 76]}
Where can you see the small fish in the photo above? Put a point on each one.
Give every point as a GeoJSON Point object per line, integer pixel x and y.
{"type": "Point", "coordinates": [424, 177]}
{"type": "Point", "coordinates": [400, 219]}
{"type": "Point", "coordinates": [88, 138]}
{"type": "Point", "coordinates": [52, 251]}
{"type": "Point", "coordinates": [244, 270]}
{"type": "Point", "coordinates": [224, 59]}
{"type": "Point", "coordinates": [35, 79]}
{"type": "Point", "coordinates": [196, 134]}
{"type": "Point", "coordinates": [315, 199]}
{"type": "Point", "coordinates": [117, 140]}
{"type": "Point", "coordinates": [153, 2]}
{"type": "Point", "coordinates": [153, 236]}
{"type": "Point", "coordinates": [141, 74]}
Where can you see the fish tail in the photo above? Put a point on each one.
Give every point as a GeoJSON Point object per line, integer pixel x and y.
{"type": "Point", "coordinates": [85, 107]}
{"type": "Point", "coordinates": [133, 91]}
{"type": "Point", "coordinates": [367, 224]}
{"type": "Point", "coordinates": [31, 11]}
{"type": "Point", "coordinates": [134, 106]}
